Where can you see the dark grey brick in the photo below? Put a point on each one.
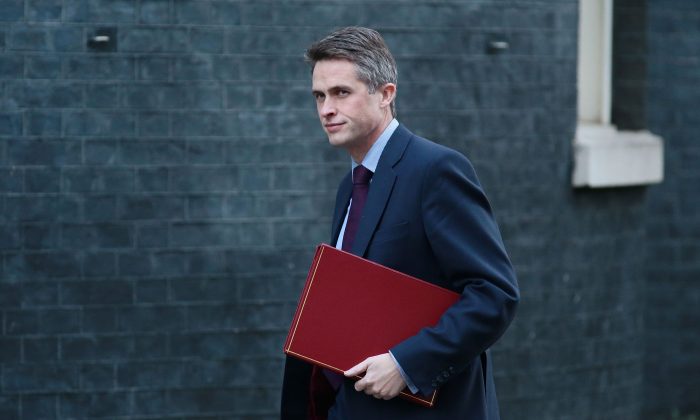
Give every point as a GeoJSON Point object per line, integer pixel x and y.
{"type": "Point", "coordinates": [95, 348]}
{"type": "Point", "coordinates": [242, 96]}
{"type": "Point", "coordinates": [95, 405]}
{"type": "Point", "coordinates": [10, 295]}
{"type": "Point", "coordinates": [10, 350]}
{"type": "Point", "coordinates": [207, 290]}
{"type": "Point", "coordinates": [170, 263]}
{"type": "Point", "coordinates": [208, 124]}
{"type": "Point", "coordinates": [97, 236]}
{"type": "Point", "coordinates": [10, 124]}
{"type": "Point", "coordinates": [206, 262]}
{"type": "Point", "coordinates": [28, 38]}
{"type": "Point", "coordinates": [207, 40]}
{"type": "Point", "coordinates": [43, 123]}
{"type": "Point", "coordinates": [9, 237]}
{"type": "Point", "coordinates": [135, 264]}
{"type": "Point", "coordinates": [42, 265]}
{"type": "Point", "coordinates": [40, 236]}
{"type": "Point", "coordinates": [40, 377]}
{"type": "Point", "coordinates": [39, 406]}
{"type": "Point", "coordinates": [205, 207]}
{"type": "Point", "coordinates": [102, 180]}
{"type": "Point", "coordinates": [97, 293]}
{"type": "Point", "coordinates": [45, 180]}
{"type": "Point", "coordinates": [99, 264]}
{"type": "Point", "coordinates": [59, 321]}
{"type": "Point", "coordinates": [151, 291]}
{"type": "Point", "coordinates": [42, 208]}
{"type": "Point", "coordinates": [270, 288]}
{"type": "Point", "coordinates": [11, 67]}
{"type": "Point", "coordinates": [99, 68]}
{"type": "Point", "coordinates": [39, 294]}
{"type": "Point", "coordinates": [142, 375]}
{"type": "Point", "coordinates": [153, 179]}
{"type": "Point", "coordinates": [11, 10]}
{"type": "Point", "coordinates": [99, 320]}
{"type": "Point", "coordinates": [100, 208]}
{"type": "Point", "coordinates": [43, 66]}
{"type": "Point", "coordinates": [204, 179]}
{"type": "Point", "coordinates": [151, 346]}
{"type": "Point", "coordinates": [152, 207]}
{"type": "Point", "coordinates": [98, 376]}
{"type": "Point", "coordinates": [154, 124]}
{"type": "Point", "coordinates": [193, 12]}
{"type": "Point", "coordinates": [9, 404]}
{"type": "Point", "coordinates": [44, 10]}
{"type": "Point", "coordinates": [98, 123]}
{"type": "Point", "coordinates": [155, 12]}
{"type": "Point", "coordinates": [102, 152]}
{"type": "Point", "coordinates": [40, 350]}
{"type": "Point", "coordinates": [226, 13]}
{"type": "Point", "coordinates": [69, 39]}
{"type": "Point", "coordinates": [204, 234]}
{"type": "Point", "coordinates": [153, 68]}
{"type": "Point", "coordinates": [152, 319]}
{"type": "Point", "coordinates": [112, 11]}
{"type": "Point", "coordinates": [206, 152]}
{"type": "Point", "coordinates": [11, 180]}
{"type": "Point", "coordinates": [47, 94]}
{"type": "Point", "coordinates": [170, 152]}
{"type": "Point", "coordinates": [21, 323]}
{"type": "Point", "coordinates": [206, 67]}
{"type": "Point", "coordinates": [150, 402]}
{"type": "Point", "coordinates": [154, 40]}
{"type": "Point", "coordinates": [103, 95]}
{"type": "Point", "coordinates": [152, 236]}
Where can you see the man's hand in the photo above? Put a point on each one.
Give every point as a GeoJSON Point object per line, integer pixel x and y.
{"type": "Point", "coordinates": [382, 377]}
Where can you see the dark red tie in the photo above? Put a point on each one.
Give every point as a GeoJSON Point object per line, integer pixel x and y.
{"type": "Point", "coordinates": [360, 186]}
{"type": "Point", "coordinates": [323, 395]}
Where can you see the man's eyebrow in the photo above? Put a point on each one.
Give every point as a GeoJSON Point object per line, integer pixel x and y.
{"type": "Point", "coordinates": [333, 89]}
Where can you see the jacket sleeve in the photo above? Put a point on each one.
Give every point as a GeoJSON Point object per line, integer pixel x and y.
{"type": "Point", "coordinates": [468, 248]}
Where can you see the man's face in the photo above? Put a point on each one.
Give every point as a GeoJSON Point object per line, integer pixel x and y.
{"type": "Point", "coordinates": [351, 116]}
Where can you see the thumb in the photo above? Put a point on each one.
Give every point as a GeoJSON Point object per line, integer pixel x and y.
{"type": "Point", "coordinates": [357, 369]}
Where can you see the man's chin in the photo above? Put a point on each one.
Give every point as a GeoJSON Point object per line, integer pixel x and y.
{"type": "Point", "coordinates": [335, 141]}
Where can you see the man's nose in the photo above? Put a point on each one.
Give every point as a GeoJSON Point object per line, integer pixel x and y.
{"type": "Point", "coordinates": [327, 108]}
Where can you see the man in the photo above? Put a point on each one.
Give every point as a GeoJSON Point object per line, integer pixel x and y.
{"type": "Point", "coordinates": [419, 209]}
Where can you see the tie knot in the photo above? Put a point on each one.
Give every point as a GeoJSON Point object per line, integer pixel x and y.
{"type": "Point", "coordinates": [361, 175]}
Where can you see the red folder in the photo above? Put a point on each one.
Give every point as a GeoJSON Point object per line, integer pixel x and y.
{"type": "Point", "coordinates": [352, 308]}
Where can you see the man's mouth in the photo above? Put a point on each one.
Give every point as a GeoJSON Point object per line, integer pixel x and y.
{"type": "Point", "coordinates": [333, 127]}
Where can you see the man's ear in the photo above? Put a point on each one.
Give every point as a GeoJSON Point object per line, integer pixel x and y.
{"type": "Point", "coordinates": [388, 92]}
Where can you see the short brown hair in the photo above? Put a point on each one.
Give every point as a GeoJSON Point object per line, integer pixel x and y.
{"type": "Point", "coordinates": [365, 48]}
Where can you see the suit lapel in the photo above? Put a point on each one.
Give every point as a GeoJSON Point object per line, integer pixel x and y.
{"type": "Point", "coordinates": [342, 200]}
{"type": "Point", "coordinates": [380, 189]}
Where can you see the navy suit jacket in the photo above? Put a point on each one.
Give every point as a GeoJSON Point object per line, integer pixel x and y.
{"type": "Point", "coordinates": [426, 215]}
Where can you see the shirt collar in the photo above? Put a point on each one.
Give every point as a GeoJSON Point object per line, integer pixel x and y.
{"type": "Point", "coordinates": [371, 159]}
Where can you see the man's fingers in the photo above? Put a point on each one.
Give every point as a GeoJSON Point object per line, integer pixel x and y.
{"type": "Point", "coordinates": [357, 369]}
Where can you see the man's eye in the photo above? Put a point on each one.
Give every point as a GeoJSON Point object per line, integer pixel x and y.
{"type": "Point", "coordinates": [343, 93]}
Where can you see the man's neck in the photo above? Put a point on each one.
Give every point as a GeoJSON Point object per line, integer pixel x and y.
{"type": "Point", "coordinates": [359, 153]}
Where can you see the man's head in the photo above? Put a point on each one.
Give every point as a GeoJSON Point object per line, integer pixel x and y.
{"type": "Point", "coordinates": [365, 48]}
{"type": "Point", "coordinates": [354, 82]}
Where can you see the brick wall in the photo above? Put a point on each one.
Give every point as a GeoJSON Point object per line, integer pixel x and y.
{"type": "Point", "coordinates": [672, 368]}
{"type": "Point", "coordinates": [160, 202]}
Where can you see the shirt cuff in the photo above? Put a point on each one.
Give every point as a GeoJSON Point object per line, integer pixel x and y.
{"type": "Point", "coordinates": [409, 383]}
